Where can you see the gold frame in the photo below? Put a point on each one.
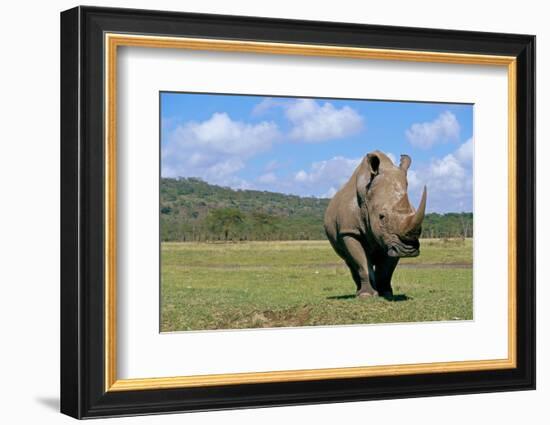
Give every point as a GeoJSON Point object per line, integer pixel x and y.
{"type": "Point", "coordinates": [113, 41]}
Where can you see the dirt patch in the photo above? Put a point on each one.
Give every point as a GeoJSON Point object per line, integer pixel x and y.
{"type": "Point", "coordinates": [297, 316]}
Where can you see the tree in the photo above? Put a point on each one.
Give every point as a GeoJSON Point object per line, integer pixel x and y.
{"type": "Point", "coordinates": [224, 220]}
{"type": "Point", "coordinates": [194, 210]}
{"type": "Point", "coordinates": [264, 224]}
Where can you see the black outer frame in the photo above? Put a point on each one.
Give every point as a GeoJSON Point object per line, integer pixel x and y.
{"type": "Point", "coordinates": [82, 216]}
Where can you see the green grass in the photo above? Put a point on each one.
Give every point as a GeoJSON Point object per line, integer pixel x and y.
{"type": "Point", "coordinates": [274, 284]}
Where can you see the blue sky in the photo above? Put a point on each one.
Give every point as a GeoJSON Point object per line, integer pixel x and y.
{"type": "Point", "coordinates": [310, 147]}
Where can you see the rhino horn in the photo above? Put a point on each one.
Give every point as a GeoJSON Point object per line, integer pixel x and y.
{"type": "Point", "coordinates": [413, 224]}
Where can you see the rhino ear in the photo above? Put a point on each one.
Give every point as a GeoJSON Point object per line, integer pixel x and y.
{"type": "Point", "coordinates": [373, 162]}
{"type": "Point", "coordinates": [366, 171]}
{"type": "Point", "coordinates": [405, 162]}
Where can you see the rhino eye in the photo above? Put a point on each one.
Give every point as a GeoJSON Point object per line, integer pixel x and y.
{"type": "Point", "coordinates": [381, 217]}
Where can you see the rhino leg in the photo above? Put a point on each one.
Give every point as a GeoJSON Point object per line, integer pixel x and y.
{"type": "Point", "coordinates": [356, 259]}
{"type": "Point", "coordinates": [384, 269]}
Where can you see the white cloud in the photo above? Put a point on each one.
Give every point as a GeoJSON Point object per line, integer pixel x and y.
{"type": "Point", "coordinates": [266, 104]}
{"type": "Point", "coordinates": [267, 178]}
{"type": "Point", "coordinates": [413, 179]}
{"type": "Point", "coordinates": [447, 167]}
{"type": "Point", "coordinates": [449, 180]}
{"type": "Point", "coordinates": [215, 149]}
{"type": "Point", "coordinates": [316, 123]}
{"type": "Point", "coordinates": [313, 122]}
{"type": "Point", "coordinates": [301, 176]}
{"type": "Point", "coordinates": [324, 178]}
{"type": "Point", "coordinates": [443, 129]}
{"type": "Point", "coordinates": [465, 153]}
{"type": "Point", "coordinates": [221, 134]}
{"type": "Point", "coordinates": [321, 179]}
{"type": "Point", "coordinates": [330, 193]}
{"type": "Point", "coordinates": [336, 170]}
{"type": "Point", "coordinates": [235, 182]}
{"type": "Point", "coordinates": [392, 157]}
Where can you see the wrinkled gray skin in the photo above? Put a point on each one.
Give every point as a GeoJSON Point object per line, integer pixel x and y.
{"type": "Point", "coordinates": [370, 222]}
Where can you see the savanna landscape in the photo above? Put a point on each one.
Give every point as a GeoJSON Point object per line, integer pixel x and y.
{"type": "Point", "coordinates": [259, 193]}
{"type": "Point", "coordinates": [224, 265]}
{"type": "Point", "coordinates": [303, 283]}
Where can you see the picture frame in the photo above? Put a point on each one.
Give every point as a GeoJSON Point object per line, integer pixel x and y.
{"type": "Point", "coordinates": [90, 40]}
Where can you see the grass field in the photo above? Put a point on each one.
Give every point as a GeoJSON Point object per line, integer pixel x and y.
{"type": "Point", "coordinates": [304, 283]}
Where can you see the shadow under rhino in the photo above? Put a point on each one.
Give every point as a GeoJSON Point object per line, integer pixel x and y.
{"type": "Point", "coordinates": [397, 297]}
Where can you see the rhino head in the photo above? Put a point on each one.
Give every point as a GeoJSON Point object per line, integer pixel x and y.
{"type": "Point", "coordinates": [390, 219]}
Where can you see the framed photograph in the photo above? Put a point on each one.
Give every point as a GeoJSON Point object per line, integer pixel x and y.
{"type": "Point", "coordinates": [261, 212]}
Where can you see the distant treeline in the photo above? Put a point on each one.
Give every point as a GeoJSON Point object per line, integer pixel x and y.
{"type": "Point", "coordinates": [193, 210]}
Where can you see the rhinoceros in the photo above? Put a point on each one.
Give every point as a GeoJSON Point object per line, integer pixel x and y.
{"type": "Point", "coordinates": [370, 222]}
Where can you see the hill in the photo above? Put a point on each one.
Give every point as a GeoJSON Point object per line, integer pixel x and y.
{"type": "Point", "coordinates": [193, 210]}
